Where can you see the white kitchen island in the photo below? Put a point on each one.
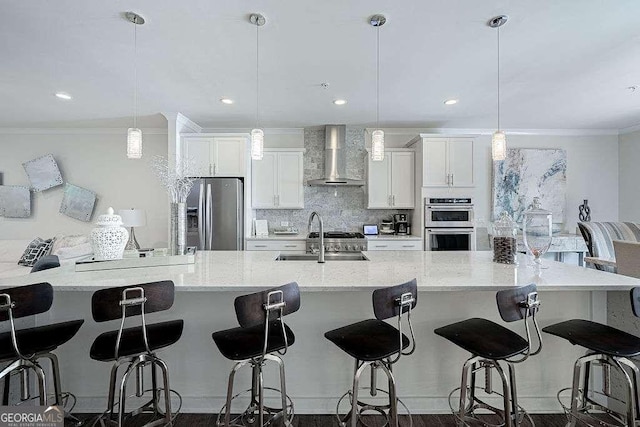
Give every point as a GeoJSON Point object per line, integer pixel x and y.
{"type": "Point", "coordinates": [452, 286]}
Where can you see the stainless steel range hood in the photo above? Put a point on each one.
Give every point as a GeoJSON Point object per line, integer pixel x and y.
{"type": "Point", "coordinates": [335, 159]}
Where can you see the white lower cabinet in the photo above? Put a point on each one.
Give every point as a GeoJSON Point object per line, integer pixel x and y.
{"type": "Point", "coordinates": [394, 245]}
{"type": "Point", "coordinates": [276, 245]}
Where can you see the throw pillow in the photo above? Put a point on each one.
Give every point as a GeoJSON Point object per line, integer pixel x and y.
{"type": "Point", "coordinates": [36, 249]}
{"type": "Point", "coordinates": [62, 241]}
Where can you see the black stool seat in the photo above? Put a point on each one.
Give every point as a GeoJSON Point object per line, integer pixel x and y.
{"type": "Point", "coordinates": [484, 338]}
{"type": "Point", "coordinates": [596, 337]}
{"type": "Point", "coordinates": [160, 335]}
{"type": "Point", "coordinates": [368, 340]}
{"type": "Point", "coordinates": [246, 343]}
{"type": "Point", "coordinates": [40, 339]}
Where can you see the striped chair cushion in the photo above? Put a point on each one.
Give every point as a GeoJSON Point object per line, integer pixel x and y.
{"type": "Point", "coordinates": [599, 236]}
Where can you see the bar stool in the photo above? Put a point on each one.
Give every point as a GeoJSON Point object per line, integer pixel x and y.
{"type": "Point", "coordinates": [135, 347]}
{"type": "Point", "coordinates": [608, 348]}
{"type": "Point", "coordinates": [491, 343]}
{"type": "Point", "coordinates": [376, 344]}
{"type": "Point", "coordinates": [23, 348]}
{"type": "Point", "coordinates": [261, 337]}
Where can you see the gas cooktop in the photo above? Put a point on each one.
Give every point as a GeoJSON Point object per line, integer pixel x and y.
{"type": "Point", "coordinates": [336, 235]}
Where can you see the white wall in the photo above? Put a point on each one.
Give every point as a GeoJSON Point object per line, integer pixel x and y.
{"type": "Point", "coordinates": [629, 177]}
{"type": "Point", "coordinates": [592, 173]}
{"type": "Point", "coordinates": [93, 159]}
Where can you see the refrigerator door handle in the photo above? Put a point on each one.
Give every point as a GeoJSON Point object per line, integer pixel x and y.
{"type": "Point", "coordinates": [239, 219]}
{"type": "Point", "coordinates": [209, 217]}
{"type": "Point", "coordinates": [201, 213]}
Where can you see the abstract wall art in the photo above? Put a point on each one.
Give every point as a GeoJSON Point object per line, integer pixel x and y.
{"type": "Point", "coordinates": [15, 201]}
{"type": "Point", "coordinates": [528, 173]}
{"type": "Point", "coordinates": [77, 202]}
{"type": "Point", "coordinates": [43, 173]}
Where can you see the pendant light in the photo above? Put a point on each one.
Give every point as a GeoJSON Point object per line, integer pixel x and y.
{"type": "Point", "coordinates": [134, 135]}
{"type": "Point", "coordinates": [377, 137]}
{"type": "Point", "coordinates": [499, 139]}
{"type": "Point", "coordinates": [257, 134]}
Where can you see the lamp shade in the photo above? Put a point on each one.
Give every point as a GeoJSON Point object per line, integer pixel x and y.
{"type": "Point", "coordinates": [499, 146]}
{"type": "Point", "coordinates": [133, 217]}
{"type": "Point", "coordinates": [257, 144]}
{"type": "Point", "coordinates": [134, 143]}
{"type": "Point", "coordinates": [377, 145]}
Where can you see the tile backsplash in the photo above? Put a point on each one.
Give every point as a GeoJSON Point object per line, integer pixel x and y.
{"type": "Point", "coordinates": [341, 209]}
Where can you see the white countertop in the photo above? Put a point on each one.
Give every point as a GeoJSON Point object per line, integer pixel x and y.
{"type": "Point", "coordinates": [255, 270]}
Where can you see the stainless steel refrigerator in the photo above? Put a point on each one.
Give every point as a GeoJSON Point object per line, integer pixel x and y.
{"type": "Point", "coordinates": [215, 214]}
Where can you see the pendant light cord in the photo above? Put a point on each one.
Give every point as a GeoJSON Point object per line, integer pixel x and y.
{"type": "Point", "coordinates": [499, 78]}
{"type": "Point", "coordinates": [257, 71]}
{"type": "Point", "coordinates": [378, 77]}
{"type": "Point", "coordinates": [135, 72]}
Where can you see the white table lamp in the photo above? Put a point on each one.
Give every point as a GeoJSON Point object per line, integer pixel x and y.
{"type": "Point", "coordinates": [133, 218]}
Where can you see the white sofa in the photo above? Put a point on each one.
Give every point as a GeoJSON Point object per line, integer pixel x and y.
{"type": "Point", "coordinates": [10, 253]}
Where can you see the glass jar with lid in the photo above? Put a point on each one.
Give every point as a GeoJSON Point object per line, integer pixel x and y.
{"type": "Point", "coordinates": [505, 246]}
{"type": "Point", "coordinates": [537, 230]}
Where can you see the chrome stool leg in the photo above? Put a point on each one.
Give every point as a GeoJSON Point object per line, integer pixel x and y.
{"type": "Point", "coordinates": [167, 389]}
{"type": "Point", "coordinates": [265, 415]}
{"type": "Point", "coordinates": [511, 413]}
{"type": "Point", "coordinates": [357, 407]}
{"type": "Point", "coordinates": [582, 403]}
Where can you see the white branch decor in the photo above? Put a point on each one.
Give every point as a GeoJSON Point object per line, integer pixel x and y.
{"type": "Point", "coordinates": [177, 180]}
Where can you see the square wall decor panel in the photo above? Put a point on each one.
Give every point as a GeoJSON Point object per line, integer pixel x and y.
{"type": "Point", "coordinates": [15, 201]}
{"type": "Point", "coordinates": [527, 173]}
{"type": "Point", "coordinates": [43, 173]}
{"type": "Point", "coordinates": [77, 202]}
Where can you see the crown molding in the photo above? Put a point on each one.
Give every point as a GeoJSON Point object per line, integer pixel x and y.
{"type": "Point", "coordinates": [267, 131]}
{"type": "Point", "coordinates": [78, 131]}
{"type": "Point", "coordinates": [426, 132]}
{"type": "Point", "coordinates": [629, 129]}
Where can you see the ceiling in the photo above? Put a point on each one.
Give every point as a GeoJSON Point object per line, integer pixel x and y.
{"type": "Point", "coordinates": [565, 64]}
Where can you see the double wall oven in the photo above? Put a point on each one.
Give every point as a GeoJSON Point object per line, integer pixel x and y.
{"type": "Point", "coordinates": [449, 224]}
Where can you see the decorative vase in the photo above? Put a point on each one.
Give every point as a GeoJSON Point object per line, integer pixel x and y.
{"type": "Point", "coordinates": [109, 238]}
{"type": "Point", "coordinates": [178, 233]}
{"type": "Point", "coordinates": [505, 246]}
{"type": "Point", "coordinates": [584, 211]}
{"type": "Point", "coordinates": [536, 230]}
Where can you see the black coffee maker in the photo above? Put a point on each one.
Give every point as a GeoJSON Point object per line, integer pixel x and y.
{"type": "Point", "coordinates": [400, 224]}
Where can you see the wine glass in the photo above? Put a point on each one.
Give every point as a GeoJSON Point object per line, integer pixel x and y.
{"type": "Point", "coordinates": [537, 231]}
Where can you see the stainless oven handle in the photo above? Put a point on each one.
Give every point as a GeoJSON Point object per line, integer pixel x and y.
{"type": "Point", "coordinates": [449, 231]}
{"type": "Point", "coordinates": [450, 208]}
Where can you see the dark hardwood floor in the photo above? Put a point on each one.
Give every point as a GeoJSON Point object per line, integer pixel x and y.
{"type": "Point", "coordinates": [209, 420]}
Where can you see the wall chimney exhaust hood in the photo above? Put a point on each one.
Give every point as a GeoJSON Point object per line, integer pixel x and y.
{"type": "Point", "coordinates": [335, 160]}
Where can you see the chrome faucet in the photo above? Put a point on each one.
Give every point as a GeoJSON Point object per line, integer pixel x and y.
{"type": "Point", "coordinates": [320, 233]}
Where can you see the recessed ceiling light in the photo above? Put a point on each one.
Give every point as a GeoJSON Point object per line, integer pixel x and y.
{"type": "Point", "coordinates": [226, 101]}
{"type": "Point", "coordinates": [63, 95]}
{"type": "Point", "coordinates": [450, 102]}
{"type": "Point", "coordinates": [340, 101]}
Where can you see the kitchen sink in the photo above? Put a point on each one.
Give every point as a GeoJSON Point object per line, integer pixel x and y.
{"type": "Point", "coordinates": [341, 256]}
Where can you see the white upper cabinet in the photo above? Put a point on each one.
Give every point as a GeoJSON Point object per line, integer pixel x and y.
{"type": "Point", "coordinates": [448, 162]}
{"type": "Point", "coordinates": [277, 180]}
{"type": "Point", "coordinates": [391, 182]}
{"type": "Point", "coordinates": [217, 156]}
{"type": "Point", "coordinates": [379, 183]}
{"type": "Point", "coordinates": [403, 178]}
{"type": "Point", "coordinates": [264, 174]}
